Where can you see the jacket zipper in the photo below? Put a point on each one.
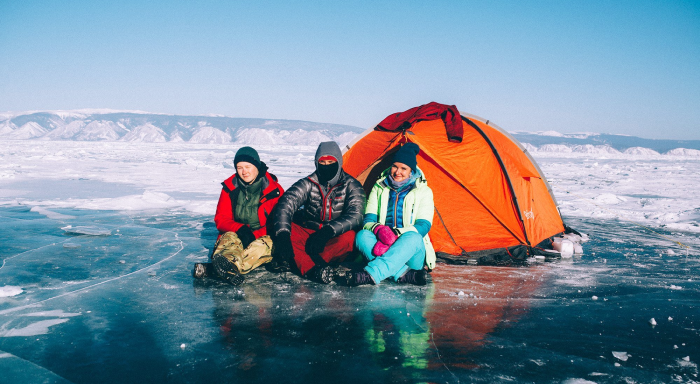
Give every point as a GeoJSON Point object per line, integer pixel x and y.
{"type": "Point", "coordinates": [396, 207]}
{"type": "Point", "coordinates": [330, 205]}
{"type": "Point", "coordinates": [323, 199]}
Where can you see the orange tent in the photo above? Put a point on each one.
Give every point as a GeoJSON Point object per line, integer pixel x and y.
{"type": "Point", "coordinates": [492, 202]}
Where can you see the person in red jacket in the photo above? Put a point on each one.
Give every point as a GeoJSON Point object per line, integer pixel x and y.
{"type": "Point", "coordinates": [247, 199]}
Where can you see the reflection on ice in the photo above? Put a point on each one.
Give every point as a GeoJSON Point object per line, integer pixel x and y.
{"type": "Point", "coordinates": [119, 308]}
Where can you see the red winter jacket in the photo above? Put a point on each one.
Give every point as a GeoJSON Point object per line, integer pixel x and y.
{"type": "Point", "coordinates": [431, 111]}
{"type": "Point", "coordinates": [225, 222]}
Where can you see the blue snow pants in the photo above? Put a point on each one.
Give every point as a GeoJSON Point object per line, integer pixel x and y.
{"type": "Point", "coordinates": [408, 252]}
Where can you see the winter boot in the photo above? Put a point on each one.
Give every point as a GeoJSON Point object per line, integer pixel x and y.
{"type": "Point", "coordinates": [415, 277]}
{"type": "Point", "coordinates": [227, 270]}
{"type": "Point", "coordinates": [323, 275]}
{"type": "Point", "coordinates": [356, 278]}
{"type": "Point", "coordinates": [278, 265]}
{"type": "Point", "coordinates": [201, 270]}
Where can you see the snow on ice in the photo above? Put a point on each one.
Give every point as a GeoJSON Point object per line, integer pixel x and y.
{"type": "Point", "coordinates": [9, 290]}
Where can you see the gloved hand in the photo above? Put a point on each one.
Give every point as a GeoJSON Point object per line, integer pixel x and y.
{"type": "Point", "coordinates": [282, 247]}
{"type": "Point", "coordinates": [245, 234]}
{"type": "Point", "coordinates": [385, 235]}
{"type": "Point", "coordinates": [317, 240]}
{"type": "Point", "coordinates": [380, 248]}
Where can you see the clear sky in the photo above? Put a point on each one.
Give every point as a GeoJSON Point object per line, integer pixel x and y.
{"type": "Point", "coordinates": [629, 67]}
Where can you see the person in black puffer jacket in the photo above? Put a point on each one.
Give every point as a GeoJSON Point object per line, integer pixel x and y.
{"type": "Point", "coordinates": [315, 220]}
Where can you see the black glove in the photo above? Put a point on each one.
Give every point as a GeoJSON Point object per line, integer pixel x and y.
{"type": "Point", "coordinates": [245, 234]}
{"type": "Point", "coordinates": [317, 240]}
{"type": "Point", "coordinates": [282, 247]}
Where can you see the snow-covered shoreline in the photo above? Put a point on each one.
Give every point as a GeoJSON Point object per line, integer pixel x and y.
{"type": "Point", "coordinates": [657, 190]}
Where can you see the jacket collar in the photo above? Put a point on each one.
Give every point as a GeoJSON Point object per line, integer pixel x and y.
{"type": "Point", "coordinates": [268, 182]}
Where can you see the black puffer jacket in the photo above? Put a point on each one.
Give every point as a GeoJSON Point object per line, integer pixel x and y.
{"type": "Point", "coordinates": [339, 204]}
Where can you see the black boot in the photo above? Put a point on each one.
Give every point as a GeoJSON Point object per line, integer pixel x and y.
{"type": "Point", "coordinates": [279, 265]}
{"type": "Point", "coordinates": [227, 270]}
{"type": "Point", "coordinates": [415, 277]}
{"type": "Point", "coordinates": [356, 278]}
{"type": "Point", "coordinates": [322, 274]}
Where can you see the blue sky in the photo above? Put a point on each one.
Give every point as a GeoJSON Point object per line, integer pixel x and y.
{"type": "Point", "coordinates": [628, 67]}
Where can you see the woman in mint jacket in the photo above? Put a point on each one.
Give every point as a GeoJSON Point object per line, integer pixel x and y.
{"type": "Point", "coordinates": [398, 216]}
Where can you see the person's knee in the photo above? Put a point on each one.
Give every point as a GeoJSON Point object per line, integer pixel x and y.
{"type": "Point", "coordinates": [365, 238]}
{"type": "Point", "coordinates": [364, 234]}
{"type": "Point", "coordinates": [412, 237]}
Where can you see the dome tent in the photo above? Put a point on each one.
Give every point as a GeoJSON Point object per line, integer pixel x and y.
{"type": "Point", "coordinates": [493, 204]}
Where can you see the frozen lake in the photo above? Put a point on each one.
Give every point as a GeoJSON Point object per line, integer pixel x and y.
{"type": "Point", "coordinates": [119, 304]}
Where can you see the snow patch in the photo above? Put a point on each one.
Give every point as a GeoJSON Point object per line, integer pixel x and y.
{"type": "Point", "coordinates": [50, 214]}
{"type": "Point", "coordinates": [52, 313]}
{"type": "Point", "coordinates": [555, 148]}
{"type": "Point", "coordinates": [34, 329]}
{"type": "Point", "coordinates": [623, 356]}
{"type": "Point", "coordinates": [149, 200]}
{"type": "Point", "coordinates": [609, 199]}
{"type": "Point", "coordinates": [10, 290]}
{"type": "Point", "coordinates": [86, 230]}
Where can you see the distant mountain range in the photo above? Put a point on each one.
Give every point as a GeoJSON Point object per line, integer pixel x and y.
{"type": "Point", "coordinates": [107, 125]}
{"type": "Point", "coordinates": [136, 126]}
{"type": "Point", "coordinates": [602, 142]}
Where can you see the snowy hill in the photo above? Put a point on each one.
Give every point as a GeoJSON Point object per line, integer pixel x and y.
{"type": "Point", "coordinates": [136, 126]}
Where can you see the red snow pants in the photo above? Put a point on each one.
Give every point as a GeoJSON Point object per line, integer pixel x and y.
{"type": "Point", "coordinates": [337, 248]}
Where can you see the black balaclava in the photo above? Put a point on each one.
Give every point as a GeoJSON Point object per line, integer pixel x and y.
{"type": "Point", "coordinates": [328, 173]}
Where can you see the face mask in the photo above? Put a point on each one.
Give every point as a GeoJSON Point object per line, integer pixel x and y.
{"type": "Point", "coordinates": [326, 172]}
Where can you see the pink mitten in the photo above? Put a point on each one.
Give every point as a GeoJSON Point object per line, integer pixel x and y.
{"type": "Point", "coordinates": [385, 235]}
{"type": "Point", "coordinates": [380, 248]}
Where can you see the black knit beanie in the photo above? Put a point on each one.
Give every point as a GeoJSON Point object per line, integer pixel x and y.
{"type": "Point", "coordinates": [407, 155]}
{"type": "Point", "coordinates": [249, 155]}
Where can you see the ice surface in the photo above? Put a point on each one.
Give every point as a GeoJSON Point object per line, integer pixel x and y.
{"type": "Point", "coordinates": [524, 323]}
{"type": "Point", "coordinates": [119, 308]}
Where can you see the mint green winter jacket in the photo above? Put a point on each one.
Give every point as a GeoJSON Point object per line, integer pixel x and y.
{"type": "Point", "coordinates": [418, 204]}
